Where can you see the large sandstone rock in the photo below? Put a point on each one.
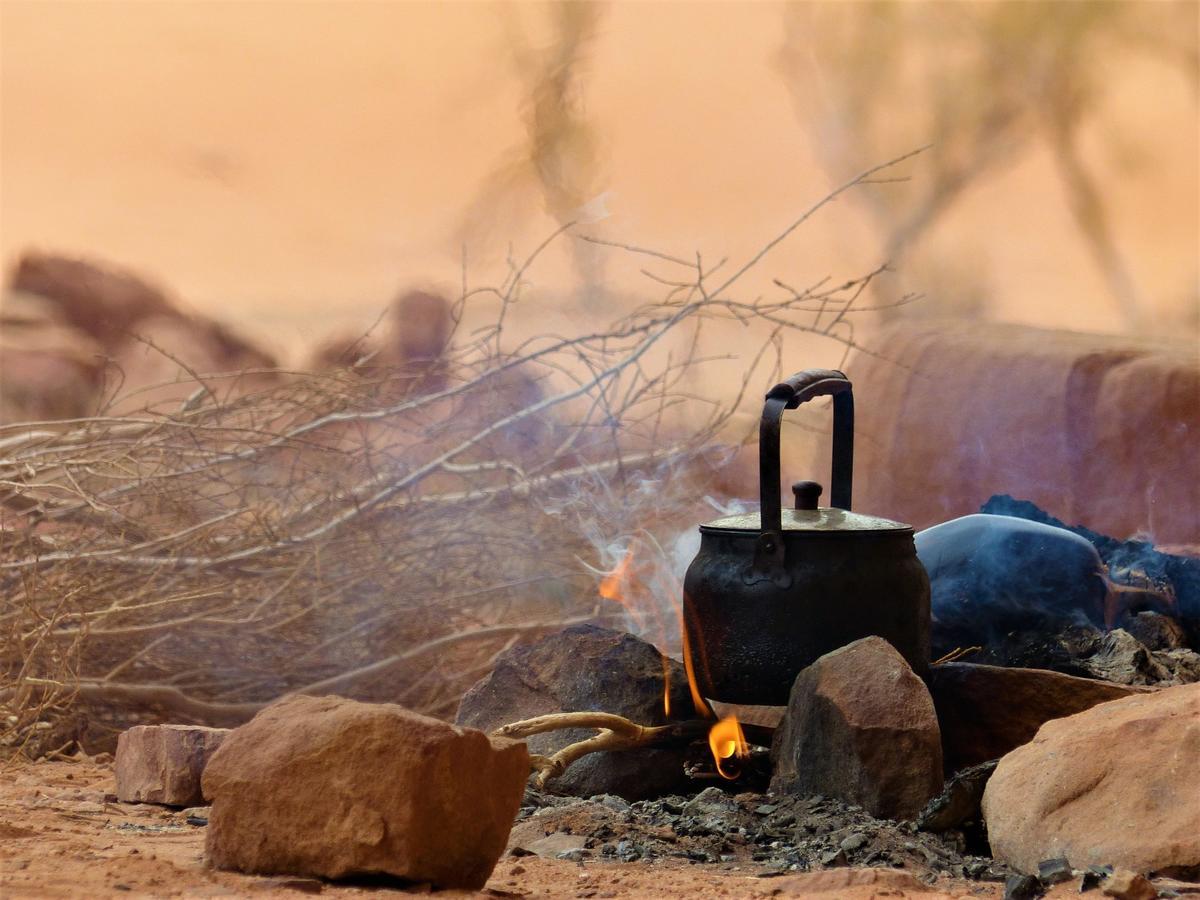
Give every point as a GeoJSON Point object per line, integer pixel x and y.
{"type": "Point", "coordinates": [164, 763]}
{"type": "Point", "coordinates": [1116, 785]}
{"type": "Point", "coordinates": [1099, 429]}
{"type": "Point", "coordinates": [332, 787]}
{"type": "Point", "coordinates": [861, 726]}
{"type": "Point", "coordinates": [48, 369]}
{"type": "Point", "coordinates": [579, 669]}
{"type": "Point", "coordinates": [69, 328]}
{"type": "Point", "coordinates": [100, 300]}
{"type": "Point", "coordinates": [986, 711]}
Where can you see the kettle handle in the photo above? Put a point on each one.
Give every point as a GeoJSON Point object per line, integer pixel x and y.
{"type": "Point", "coordinates": [789, 394]}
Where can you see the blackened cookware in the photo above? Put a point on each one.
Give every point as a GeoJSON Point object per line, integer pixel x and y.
{"type": "Point", "coordinates": [769, 592]}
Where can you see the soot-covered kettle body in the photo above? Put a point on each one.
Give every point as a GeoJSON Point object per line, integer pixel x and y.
{"type": "Point", "coordinates": [769, 592]}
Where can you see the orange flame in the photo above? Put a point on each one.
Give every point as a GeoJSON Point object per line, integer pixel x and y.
{"type": "Point", "coordinates": [622, 585]}
{"type": "Point", "coordinates": [726, 740]}
{"type": "Point", "coordinates": [616, 586]}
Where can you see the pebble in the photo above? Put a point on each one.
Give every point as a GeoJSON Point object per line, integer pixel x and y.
{"type": "Point", "coordinates": [855, 842]}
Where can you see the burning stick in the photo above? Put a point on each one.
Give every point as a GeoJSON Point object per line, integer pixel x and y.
{"type": "Point", "coordinates": [615, 733]}
{"type": "Point", "coordinates": [618, 733]}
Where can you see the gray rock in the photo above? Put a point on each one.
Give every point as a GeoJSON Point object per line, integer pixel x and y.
{"type": "Point", "coordinates": [579, 669]}
{"type": "Point", "coordinates": [1055, 871]}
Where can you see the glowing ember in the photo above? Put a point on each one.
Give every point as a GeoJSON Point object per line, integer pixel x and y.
{"type": "Point", "coordinates": [726, 741]}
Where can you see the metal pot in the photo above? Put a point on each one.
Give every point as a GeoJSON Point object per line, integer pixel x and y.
{"type": "Point", "coordinates": [770, 592]}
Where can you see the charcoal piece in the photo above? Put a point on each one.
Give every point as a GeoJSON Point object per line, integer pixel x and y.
{"type": "Point", "coordinates": [1064, 650]}
{"type": "Point", "coordinates": [990, 574]}
{"type": "Point", "coordinates": [1122, 659]}
{"type": "Point", "coordinates": [1093, 876]}
{"type": "Point", "coordinates": [1055, 871]}
{"type": "Point", "coordinates": [1022, 887]}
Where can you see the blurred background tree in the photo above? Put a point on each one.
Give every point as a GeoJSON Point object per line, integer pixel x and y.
{"type": "Point", "coordinates": [560, 156]}
{"type": "Point", "coordinates": [984, 84]}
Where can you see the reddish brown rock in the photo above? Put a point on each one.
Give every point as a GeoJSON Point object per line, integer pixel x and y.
{"type": "Point", "coordinates": [1116, 785]}
{"type": "Point", "coordinates": [986, 711]}
{"type": "Point", "coordinates": [1097, 429]}
{"type": "Point", "coordinates": [164, 763]}
{"type": "Point", "coordinates": [331, 787]}
{"type": "Point", "coordinates": [48, 369]}
{"type": "Point", "coordinates": [861, 726]}
{"type": "Point", "coordinates": [71, 329]}
{"type": "Point", "coordinates": [100, 300]}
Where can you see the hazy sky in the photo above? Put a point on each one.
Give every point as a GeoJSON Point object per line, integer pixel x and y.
{"type": "Point", "coordinates": [289, 165]}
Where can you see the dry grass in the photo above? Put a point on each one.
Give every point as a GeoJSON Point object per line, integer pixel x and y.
{"type": "Point", "coordinates": [376, 533]}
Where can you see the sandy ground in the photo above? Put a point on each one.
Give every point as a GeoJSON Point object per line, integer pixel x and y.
{"type": "Point", "coordinates": [62, 834]}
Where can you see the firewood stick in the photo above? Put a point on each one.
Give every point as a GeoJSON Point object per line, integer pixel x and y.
{"type": "Point", "coordinates": [615, 733]}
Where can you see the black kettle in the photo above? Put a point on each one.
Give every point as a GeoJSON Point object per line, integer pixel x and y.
{"type": "Point", "coordinates": [770, 592]}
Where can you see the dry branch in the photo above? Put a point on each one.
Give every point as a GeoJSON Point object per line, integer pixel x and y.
{"type": "Point", "coordinates": [373, 531]}
{"type": "Point", "coordinates": [615, 733]}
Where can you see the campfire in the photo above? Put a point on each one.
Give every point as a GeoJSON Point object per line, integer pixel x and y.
{"type": "Point", "coordinates": [308, 581]}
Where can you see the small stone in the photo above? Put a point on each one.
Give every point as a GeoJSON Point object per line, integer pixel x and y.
{"type": "Point", "coordinates": [766, 809]}
{"type": "Point", "coordinates": [1055, 871]}
{"type": "Point", "coordinates": [1022, 887]}
{"type": "Point", "coordinates": [854, 842]}
{"type": "Point", "coordinates": [164, 763]}
{"type": "Point", "coordinates": [1126, 885]}
{"type": "Point", "coordinates": [834, 858]}
{"type": "Point", "coordinates": [958, 803]}
{"type": "Point", "coordinates": [555, 846]}
{"type": "Point", "coordinates": [616, 804]}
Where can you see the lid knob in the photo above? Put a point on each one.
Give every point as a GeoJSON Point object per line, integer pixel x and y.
{"type": "Point", "coordinates": [806, 493]}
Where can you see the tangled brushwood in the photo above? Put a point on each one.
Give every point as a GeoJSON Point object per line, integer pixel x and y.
{"type": "Point", "coordinates": [377, 532]}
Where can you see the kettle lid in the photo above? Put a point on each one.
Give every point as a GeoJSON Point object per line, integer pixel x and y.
{"type": "Point", "coordinates": [824, 519]}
